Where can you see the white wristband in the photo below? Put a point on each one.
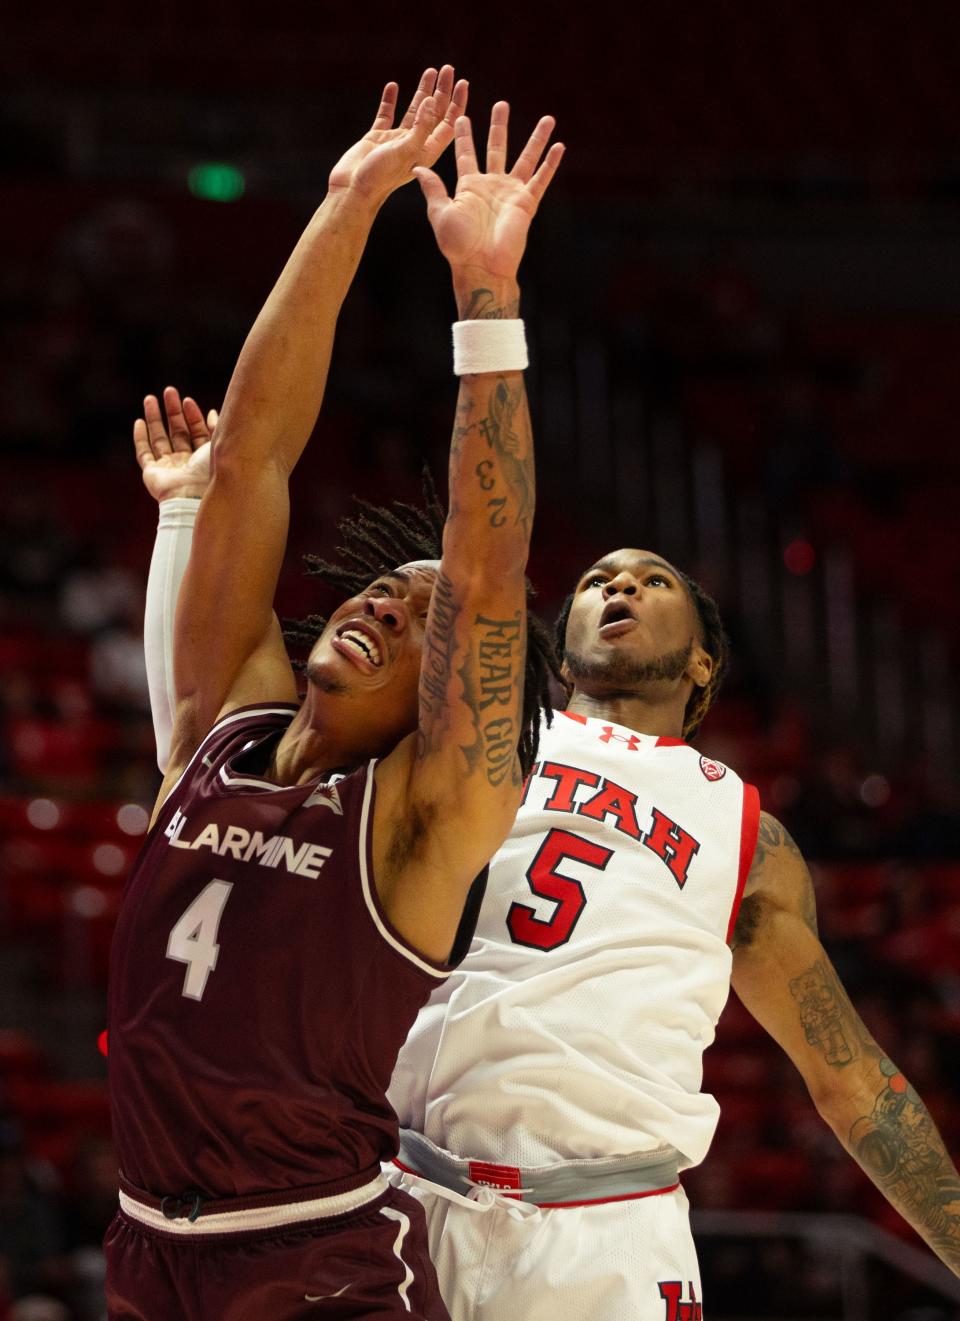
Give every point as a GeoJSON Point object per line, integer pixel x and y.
{"type": "Point", "coordinates": [488, 346]}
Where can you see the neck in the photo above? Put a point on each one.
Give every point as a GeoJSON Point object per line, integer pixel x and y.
{"type": "Point", "coordinates": [305, 751]}
{"type": "Point", "coordinates": [645, 716]}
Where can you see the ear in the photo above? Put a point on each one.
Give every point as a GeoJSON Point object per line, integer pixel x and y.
{"type": "Point", "coordinates": [699, 666]}
{"type": "Point", "coordinates": [565, 674]}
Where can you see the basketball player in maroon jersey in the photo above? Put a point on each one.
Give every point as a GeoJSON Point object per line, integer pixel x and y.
{"type": "Point", "coordinates": [645, 650]}
{"type": "Point", "coordinates": [279, 932]}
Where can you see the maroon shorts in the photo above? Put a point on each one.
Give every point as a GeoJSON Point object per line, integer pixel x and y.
{"type": "Point", "coordinates": [371, 1263]}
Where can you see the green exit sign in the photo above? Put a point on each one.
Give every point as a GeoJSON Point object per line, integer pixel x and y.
{"type": "Point", "coordinates": [216, 181]}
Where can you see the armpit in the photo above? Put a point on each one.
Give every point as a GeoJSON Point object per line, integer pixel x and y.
{"type": "Point", "coordinates": [748, 921]}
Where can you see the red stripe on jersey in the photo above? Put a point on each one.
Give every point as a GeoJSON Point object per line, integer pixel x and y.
{"type": "Point", "coordinates": [599, 1201]}
{"type": "Point", "coordinates": [572, 715]}
{"type": "Point", "coordinates": [665, 741]}
{"type": "Point", "coordinates": [749, 829]}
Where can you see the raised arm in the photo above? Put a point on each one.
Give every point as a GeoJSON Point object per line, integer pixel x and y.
{"type": "Point", "coordinates": [782, 974]}
{"type": "Point", "coordinates": [461, 774]}
{"type": "Point", "coordinates": [228, 645]}
{"type": "Point", "coordinates": [174, 458]}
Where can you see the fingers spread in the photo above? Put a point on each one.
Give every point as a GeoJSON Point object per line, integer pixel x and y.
{"type": "Point", "coordinates": [497, 138]}
{"type": "Point", "coordinates": [464, 148]}
{"type": "Point", "coordinates": [458, 106]}
{"type": "Point", "coordinates": [432, 187]}
{"type": "Point", "coordinates": [442, 135]}
{"type": "Point", "coordinates": [196, 426]}
{"type": "Point", "coordinates": [176, 422]}
{"type": "Point", "coordinates": [541, 180]}
{"type": "Point", "coordinates": [443, 90]}
{"type": "Point", "coordinates": [526, 162]}
{"type": "Point", "coordinates": [388, 107]}
{"type": "Point", "coordinates": [141, 443]}
{"type": "Point", "coordinates": [424, 122]}
{"type": "Point", "coordinates": [426, 85]}
{"type": "Point", "coordinates": [157, 432]}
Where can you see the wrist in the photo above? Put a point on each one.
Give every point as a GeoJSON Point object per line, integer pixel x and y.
{"type": "Point", "coordinates": [484, 297]}
{"type": "Point", "coordinates": [352, 204]}
{"type": "Point", "coordinates": [188, 493]}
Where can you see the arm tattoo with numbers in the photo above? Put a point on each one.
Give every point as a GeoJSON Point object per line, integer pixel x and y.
{"type": "Point", "coordinates": [511, 457]}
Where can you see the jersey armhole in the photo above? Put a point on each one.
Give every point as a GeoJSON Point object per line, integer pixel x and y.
{"type": "Point", "coordinates": [241, 713]}
{"type": "Point", "coordinates": [438, 971]}
{"type": "Point", "coordinates": [749, 829]}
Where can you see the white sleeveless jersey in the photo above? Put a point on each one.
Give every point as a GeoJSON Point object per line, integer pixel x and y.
{"type": "Point", "coordinates": [576, 1025]}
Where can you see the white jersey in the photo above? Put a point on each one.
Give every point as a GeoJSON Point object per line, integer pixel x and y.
{"type": "Point", "coordinates": [576, 1025]}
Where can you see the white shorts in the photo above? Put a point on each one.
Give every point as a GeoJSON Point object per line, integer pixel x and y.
{"type": "Point", "coordinates": [502, 1260]}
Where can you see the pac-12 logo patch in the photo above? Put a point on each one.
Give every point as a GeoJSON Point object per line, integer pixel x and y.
{"type": "Point", "coordinates": [712, 770]}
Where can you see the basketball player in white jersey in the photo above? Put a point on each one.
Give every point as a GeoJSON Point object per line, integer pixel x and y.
{"type": "Point", "coordinates": [550, 1091]}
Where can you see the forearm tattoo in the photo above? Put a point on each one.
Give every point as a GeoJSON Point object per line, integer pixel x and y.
{"type": "Point", "coordinates": [897, 1143]}
{"type": "Point", "coordinates": [483, 306]}
{"type": "Point", "coordinates": [491, 487]}
{"type": "Point", "coordinates": [506, 477]}
{"type": "Point", "coordinates": [822, 1012]}
{"type": "Point", "coordinates": [899, 1147]}
{"type": "Point", "coordinates": [436, 665]}
{"type": "Point", "coordinates": [500, 668]}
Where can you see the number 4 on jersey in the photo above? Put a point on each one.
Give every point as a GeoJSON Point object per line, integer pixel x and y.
{"type": "Point", "coordinates": [193, 940]}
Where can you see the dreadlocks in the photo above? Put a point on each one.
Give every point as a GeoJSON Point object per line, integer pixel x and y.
{"type": "Point", "coordinates": [377, 539]}
{"type": "Point", "coordinates": [713, 639]}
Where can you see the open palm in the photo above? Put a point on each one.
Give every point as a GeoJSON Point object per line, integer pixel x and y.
{"type": "Point", "coordinates": [174, 458]}
{"type": "Point", "coordinates": [385, 156]}
{"type": "Point", "coordinates": [486, 222]}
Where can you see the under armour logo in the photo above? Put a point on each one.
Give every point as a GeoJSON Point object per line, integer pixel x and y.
{"type": "Point", "coordinates": [610, 735]}
{"type": "Point", "coordinates": [326, 795]}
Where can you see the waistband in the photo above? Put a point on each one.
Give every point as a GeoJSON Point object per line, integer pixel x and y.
{"type": "Point", "coordinates": [190, 1213]}
{"type": "Point", "coordinates": [568, 1183]}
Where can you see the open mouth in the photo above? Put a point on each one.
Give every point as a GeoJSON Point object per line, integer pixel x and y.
{"type": "Point", "coordinates": [616, 618]}
{"type": "Point", "coordinates": [361, 645]}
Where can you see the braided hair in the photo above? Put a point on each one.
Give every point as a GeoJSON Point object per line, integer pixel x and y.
{"type": "Point", "coordinates": [375, 540]}
{"type": "Point", "coordinates": [713, 639]}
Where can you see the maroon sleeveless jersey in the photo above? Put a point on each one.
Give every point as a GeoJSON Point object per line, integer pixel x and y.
{"type": "Point", "coordinates": [258, 994]}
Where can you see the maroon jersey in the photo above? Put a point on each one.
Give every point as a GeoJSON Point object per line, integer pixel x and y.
{"type": "Point", "coordinates": [258, 994]}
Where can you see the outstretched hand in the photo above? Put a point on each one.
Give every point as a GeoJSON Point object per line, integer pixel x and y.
{"type": "Point", "coordinates": [174, 458]}
{"type": "Point", "coordinates": [484, 226]}
{"type": "Point", "coordinates": [385, 157]}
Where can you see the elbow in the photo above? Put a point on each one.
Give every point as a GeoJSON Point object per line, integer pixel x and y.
{"type": "Point", "coordinates": [239, 456]}
{"type": "Point", "coordinates": [842, 1099]}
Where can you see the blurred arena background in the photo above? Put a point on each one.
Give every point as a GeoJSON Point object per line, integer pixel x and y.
{"type": "Point", "coordinates": [743, 299]}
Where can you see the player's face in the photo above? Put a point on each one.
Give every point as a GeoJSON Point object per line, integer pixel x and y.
{"type": "Point", "coordinates": [631, 621]}
{"type": "Point", "coordinates": [372, 645]}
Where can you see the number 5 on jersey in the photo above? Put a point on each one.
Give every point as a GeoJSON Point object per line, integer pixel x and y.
{"type": "Point", "coordinates": [547, 882]}
{"type": "Point", "coordinates": [193, 940]}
